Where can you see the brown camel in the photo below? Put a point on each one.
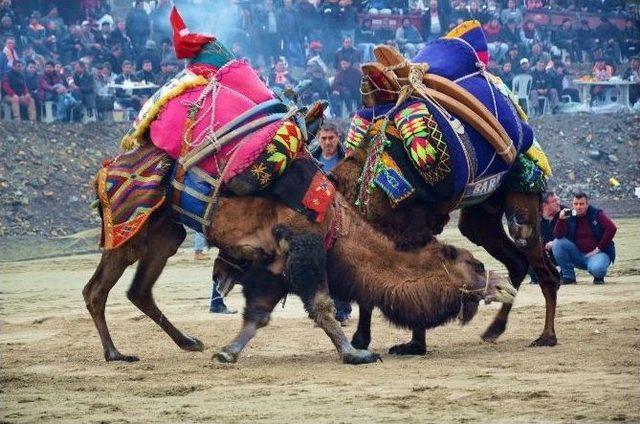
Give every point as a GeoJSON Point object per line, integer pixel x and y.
{"type": "Point", "coordinates": [286, 254]}
{"type": "Point", "coordinates": [414, 226]}
{"type": "Point", "coordinates": [426, 287]}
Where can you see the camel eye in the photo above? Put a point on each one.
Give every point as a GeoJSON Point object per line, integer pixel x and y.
{"type": "Point", "coordinates": [479, 267]}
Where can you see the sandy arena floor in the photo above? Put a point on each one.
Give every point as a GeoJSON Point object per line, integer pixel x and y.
{"type": "Point", "coordinates": [52, 368]}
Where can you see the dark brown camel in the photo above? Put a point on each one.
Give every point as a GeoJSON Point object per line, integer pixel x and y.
{"type": "Point", "coordinates": [278, 241]}
{"type": "Point", "coordinates": [414, 226]}
{"type": "Point", "coordinates": [427, 287]}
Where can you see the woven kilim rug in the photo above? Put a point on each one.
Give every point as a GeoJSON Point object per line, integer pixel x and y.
{"type": "Point", "coordinates": [130, 188]}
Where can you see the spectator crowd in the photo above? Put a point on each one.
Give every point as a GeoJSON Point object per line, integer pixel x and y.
{"type": "Point", "coordinates": [314, 46]}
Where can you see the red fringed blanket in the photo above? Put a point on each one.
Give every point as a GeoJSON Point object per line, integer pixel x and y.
{"type": "Point", "coordinates": [130, 188]}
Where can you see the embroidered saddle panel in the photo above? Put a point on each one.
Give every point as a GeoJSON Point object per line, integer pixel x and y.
{"type": "Point", "coordinates": [130, 187]}
{"type": "Point", "coordinates": [236, 90]}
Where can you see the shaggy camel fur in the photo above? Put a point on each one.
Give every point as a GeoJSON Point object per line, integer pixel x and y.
{"type": "Point", "coordinates": [426, 287]}
{"type": "Point", "coordinates": [276, 241]}
{"type": "Point", "coordinates": [414, 226]}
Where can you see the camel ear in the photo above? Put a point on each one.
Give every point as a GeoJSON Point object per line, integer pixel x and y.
{"type": "Point", "coordinates": [449, 252]}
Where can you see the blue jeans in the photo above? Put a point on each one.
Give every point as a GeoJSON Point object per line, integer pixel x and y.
{"type": "Point", "coordinates": [200, 243]}
{"type": "Point", "coordinates": [569, 257]}
{"type": "Point", "coordinates": [216, 298]}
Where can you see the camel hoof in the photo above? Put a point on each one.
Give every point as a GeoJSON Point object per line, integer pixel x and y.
{"type": "Point", "coordinates": [360, 342]}
{"type": "Point", "coordinates": [227, 357]}
{"type": "Point", "coordinates": [544, 341]}
{"type": "Point", "coordinates": [192, 345]}
{"type": "Point", "coordinates": [117, 356]}
{"type": "Point", "coordinates": [360, 356]}
{"type": "Point", "coordinates": [494, 331]}
{"type": "Point", "coordinates": [410, 348]}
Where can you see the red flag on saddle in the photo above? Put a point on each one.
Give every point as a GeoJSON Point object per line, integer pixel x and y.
{"type": "Point", "coordinates": [186, 44]}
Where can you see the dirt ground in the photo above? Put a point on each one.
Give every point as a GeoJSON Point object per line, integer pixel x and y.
{"type": "Point", "coordinates": [52, 368]}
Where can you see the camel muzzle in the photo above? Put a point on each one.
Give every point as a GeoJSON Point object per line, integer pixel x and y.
{"type": "Point", "coordinates": [504, 293]}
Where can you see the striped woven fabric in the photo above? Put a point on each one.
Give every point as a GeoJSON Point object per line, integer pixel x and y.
{"type": "Point", "coordinates": [130, 188]}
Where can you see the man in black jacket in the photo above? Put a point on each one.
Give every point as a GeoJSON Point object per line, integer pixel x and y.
{"type": "Point", "coordinates": [84, 90]}
{"type": "Point", "coordinates": [550, 209]}
{"type": "Point", "coordinates": [542, 85]}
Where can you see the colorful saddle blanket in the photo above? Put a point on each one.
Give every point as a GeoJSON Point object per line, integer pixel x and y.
{"type": "Point", "coordinates": [453, 160]}
{"type": "Point", "coordinates": [130, 187]}
{"type": "Point", "coordinates": [200, 115]}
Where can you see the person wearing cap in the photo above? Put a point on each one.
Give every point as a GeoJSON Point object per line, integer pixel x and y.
{"type": "Point", "coordinates": [104, 37]}
{"type": "Point", "coordinates": [138, 25]}
{"type": "Point", "coordinates": [524, 67]}
{"type": "Point", "coordinates": [315, 56]}
{"type": "Point", "coordinates": [88, 39]}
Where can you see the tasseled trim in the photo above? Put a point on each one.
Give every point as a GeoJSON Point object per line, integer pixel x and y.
{"type": "Point", "coordinates": [134, 137]}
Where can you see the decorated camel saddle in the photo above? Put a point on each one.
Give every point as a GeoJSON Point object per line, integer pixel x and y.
{"type": "Point", "coordinates": [224, 132]}
{"type": "Point", "coordinates": [441, 127]}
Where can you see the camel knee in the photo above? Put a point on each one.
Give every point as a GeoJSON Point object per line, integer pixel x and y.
{"type": "Point", "coordinates": [259, 317]}
{"type": "Point", "coordinates": [524, 233]}
{"type": "Point", "coordinates": [135, 296]}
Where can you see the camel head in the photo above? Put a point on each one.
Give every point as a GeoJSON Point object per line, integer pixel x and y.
{"type": "Point", "coordinates": [478, 283]}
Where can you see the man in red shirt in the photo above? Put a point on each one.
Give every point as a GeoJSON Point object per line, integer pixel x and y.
{"type": "Point", "coordinates": [584, 239]}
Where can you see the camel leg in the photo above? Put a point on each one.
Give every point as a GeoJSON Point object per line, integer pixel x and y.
{"type": "Point", "coordinates": [417, 345]}
{"type": "Point", "coordinates": [321, 310]}
{"type": "Point", "coordinates": [96, 291]}
{"type": "Point", "coordinates": [163, 241]}
{"type": "Point", "coordinates": [522, 211]}
{"type": "Point", "coordinates": [307, 277]}
{"type": "Point", "coordinates": [362, 337]}
{"type": "Point", "coordinates": [482, 225]}
{"type": "Point", "coordinates": [262, 291]}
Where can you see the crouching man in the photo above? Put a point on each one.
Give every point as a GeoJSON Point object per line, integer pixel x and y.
{"type": "Point", "coordinates": [584, 239]}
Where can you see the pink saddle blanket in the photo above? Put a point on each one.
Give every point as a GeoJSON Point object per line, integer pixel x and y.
{"type": "Point", "coordinates": [239, 89]}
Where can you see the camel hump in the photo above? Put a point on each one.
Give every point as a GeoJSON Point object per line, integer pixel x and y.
{"type": "Point", "coordinates": [458, 54]}
{"type": "Point", "coordinates": [471, 33]}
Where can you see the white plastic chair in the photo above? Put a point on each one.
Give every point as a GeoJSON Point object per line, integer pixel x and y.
{"type": "Point", "coordinates": [546, 108]}
{"type": "Point", "coordinates": [46, 112]}
{"type": "Point", "coordinates": [521, 87]}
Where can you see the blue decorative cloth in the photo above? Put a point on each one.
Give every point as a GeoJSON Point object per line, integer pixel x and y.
{"type": "Point", "coordinates": [190, 203]}
{"type": "Point", "coordinates": [393, 183]}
